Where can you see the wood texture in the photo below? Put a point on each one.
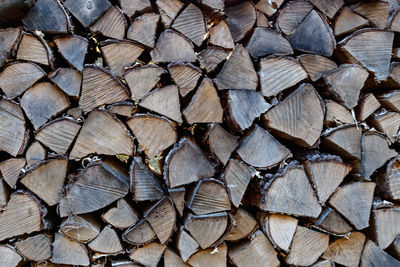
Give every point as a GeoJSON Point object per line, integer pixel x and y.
{"type": "Point", "coordinates": [73, 49]}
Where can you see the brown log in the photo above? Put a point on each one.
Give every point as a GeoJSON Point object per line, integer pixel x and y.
{"type": "Point", "coordinates": [66, 251]}
{"type": "Point", "coordinates": [10, 170]}
{"type": "Point", "coordinates": [388, 180]}
{"type": "Point", "coordinates": [143, 28]}
{"type": "Point", "coordinates": [211, 57]}
{"type": "Point", "coordinates": [329, 8]}
{"type": "Point", "coordinates": [346, 250]}
{"type": "Point", "coordinates": [148, 255]}
{"type": "Point", "coordinates": [185, 76]}
{"type": "Point", "coordinates": [336, 114]}
{"type": "Point", "coordinates": [68, 80]}
{"type": "Point", "coordinates": [374, 255]}
{"type": "Point", "coordinates": [29, 247]}
{"type": "Point", "coordinates": [178, 197]}
{"type": "Point", "coordinates": [132, 7]}
{"type": "Point", "coordinates": [390, 100]}
{"type": "Point", "coordinates": [186, 245]}
{"type": "Point", "coordinates": [377, 12]}
{"type": "Point", "coordinates": [331, 222]}
{"type": "Point", "coordinates": [368, 105]}
{"type": "Point", "coordinates": [316, 66]}
{"type": "Point", "coordinates": [208, 258]}
{"type": "Point", "coordinates": [168, 10]}
{"type": "Point", "coordinates": [171, 259]}
{"type": "Point", "coordinates": [123, 108]}
{"type": "Point", "coordinates": [220, 35]}
{"type": "Point", "coordinates": [141, 80]}
{"type": "Point", "coordinates": [112, 24]}
{"type": "Point", "coordinates": [269, 7]}
{"type": "Point", "coordinates": [34, 49]}
{"type": "Point", "coordinates": [347, 21]}
{"type": "Point", "coordinates": [384, 226]}
{"type": "Point", "coordinates": [221, 143]}
{"type": "Point", "coordinates": [139, 234]}
{"type": "Point", "coordinates": [107, 242]}
{"type": "Point", "coordinates": [9, 257]}
{"type": "Point", "coordinates": [35, 153]}
{"type": "Point", "coordinates": [387, 123]}
{"type": "Point", "coordinates": [265, 42]}
{"type": "Point", "coordinates": [121, 216]}
{"type": "Point", "coordinates": [80, 228]}
{"type": "Point", "coordinates": [240, 19]}
{"type": "Point", "coordinates": [245, 225]}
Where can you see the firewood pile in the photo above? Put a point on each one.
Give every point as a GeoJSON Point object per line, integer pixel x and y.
{"type": "Point", "coordinates": [199, 133]}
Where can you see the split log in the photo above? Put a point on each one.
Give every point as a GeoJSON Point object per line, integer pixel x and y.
{"type": "Point", "coordinates": [255, 252]}
{"type": "Point", "coordinates": [336, 114]}
{"type": "Point", "coordinates": [331, 222]}
{"type": "Point", "coordinates": [86, 11]}
{"type": "Point", "coordinates": [36, 248]}
{"type": "Point", "coordinates": [66, 251]}
{"type": "Point", "coordinates": [185, 76]}
{"type": "Point", "coordinates": [121, 216]}
{"type": "Point", "coordinates": [99, 87]}
{"type": "Point", "coordinates": [389, 178]}
{"type": "Point", "coordinates": [264, 42]}
{"type": "Point", "coordinates": [220, 142]}
{"type": "Point", "coordinates": [329, 8]}
{"type": "Point", "coordinates": [269, 7]}
{"type": "Point", "coordinates": [279, 228]}
{"type": "Point", "coordinates": [260, 149]}
{"type": "Point", "coordinates": [374, 255]}
{"type": "Point", "coordinates": [186, 245]}
{"type": "Point", "coordinates": [293, 200]}
{"type": "Point", "coordinates": [220, 35]}
{"type": "Point", "coordinates": [178, 197]}
{"type": "Point", "coordinates": [42, 102]}
{"type": "Point", "coordinates": [238, 71]}
{"type": "Point", "coordinates": [83, 228]}
{"type": "Point", "coordinates": [371, 48]}
{"type": "Point", "coordinates": [395, 22]}
{"type": "Point", "coordinates": [171, 259]}
{"type": "Point", "coordinates": [141, 80]}
{"type": "Point", "coordinates": [346, 250]}
{"type": "Point", "coordinates": [120, 54]}
{"type": "Point", "coordinates": [305, 127]}
{"type": "Point", "coordinates": [354, 202]}
{"type": "Point", "coordinates": [33, 49]}
{"type": "Point", "coordinates": [206, 257]}
{"type": "Point", "coordinates": [290, 73]}
{"type": "Point", "coordinates": [205, 106]}
{"type": "Point", "coordinates": [9, 39]}
{"type": "Point", "coordinates": [316, 66]}
{"type": "Point", "coordinates": [395, 247]}
{"type": "Point", "coordinates": [245, 225]}
{"type": "Point", "coordinates": [387, 123]}
{"type": "Point", "coordinates": [110, 180]}
{"type": "Point", "coordinates": [10, 170]}
{"type": "Point", "coordinates": [240, 19]}
{"type": "Point", "coordinates": [168, 10]}
{"type": "Point", "coordinates": [209, 196]}
{"type": "Point", "coordinates": [73, 48]}
{"type": "Point", "coordinates": [390, 100]}
{"type": "Point", "coordinates": [139, 234]}
{"type": "Point", "coordinates": [107, 242]}
{"type": "Point", "coordinates": [291, 15]}
{"type": "Point", "coordinates": [368, 105]}
{"type": "Point", "coordinates": [347, 21]}
{"type": "Point", "coordinates": [148, 255]}
{"type": "Point", "coordinates": [35, 153]}
{"type": "Point", "coordinates": [9, 257]}
{"type": "Point", "coordinates": [211, 57]}
{"type": "Point", "coordinates": [385, 227]}
{"type": "Point", "coordinates": [68, 80]}
{"type": "Point", "coordinates": [4, 193]}
{"type": "Point", "coordinates": [262, 20]}
{"type": "Point", "coordinates": [132, 7]}
{"type": "Point", "coordinates": [143, 29]}
{"type": "Point", "coordinates": [112, 24]}
{"type": "Point", "coordinates": [237, 176]}
{"type": "Point", "coordinates": [377, 12]}
{"type": "Point", "coordinates": [123, 108]}
{"type": "Point", "coordinates": [19, 76]}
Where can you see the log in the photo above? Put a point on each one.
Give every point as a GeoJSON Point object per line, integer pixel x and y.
{"type": "Point", "coordinates": [121, 216]}
{"type": "Point", "coordinates": [9, 39]}
{"type": "Point", "coordinates": [384, 226]}
{"type": "Point", "coordinates": [390, 100]}
{"type": "Point", "coordinates": [291, 15]}
{"type": "Point", "coordinates": [316, 66]}
{"type": "Point", "coordinates": [123, 108]}
{"type": "Point", "coordinates": [148, 255]}
{"type": "Point", "coordinates": [139, 234]}
{"type": "Point", "coordinates": [34, 49]}
{"type": "Point", "coordinates": [86, 11]}
{"type": "Point", "coordinates": [346, 250]}
{"type": "Point", "coordinates": [221, 143]}
{"type": "Point", "coordinates": [209, 258]}
{"type": "Point", "coordinates": [329, 8]}
{"type": "Point", "coordinates": [269, 8]}
{"type": "Point", "coordinates": [220, 35]}
{"type": "Point", "coordinates": [211, 57]}
{"type": "Point", "coordinates": [347, 21]}
{"type": "Point", "coordinates": [143, 28]}
{"type": "Point", "coordinates": [10, 170]}
{"type": "Point", "coordinates": [29, 247]}
{"type": "Point", "coordinates": [368, 105]}
{"type": "Point", "coordinates": [245, 225]}
{"type": "Point", "coordinates": [388, 178]}
{"type": "Point", "coordinates": [331, 222]}
{"type": "Point", "coordinates": [240, 19]}
{"type": "Point", "coordinates": [264, 42]}
{"type": "Point", "coordinates": [80, 228]}
{"type": "Point", "coordinates": [112, 24]}
{"type": "Point", "coordinates": [177, 196]}
{"type": "Point", "coordinates": [4, 193]}
{"type": "Point", "coordinates": [73, 49]}
{"type": "Point", "coordinates": [377, 13]}
{"type": "Point", "coordinates": [9, 257]}
{"type": "Point", "coordinates": [132, 7]}
{"type": "Point", "coordinates": [171, 259]}
{"type": "Point", "coordinates": [141, 80]}
{"type": "Point", "coordinates": [68, 80]}
{"type": "Point", "coordinates": [107, 242]}
{"type": "Point", "coordinates": [186, 245]}
{"type": "Point", "coordinates": [373, 255]}
{"type": "Point", "coordinates": [66, 251]}
{"type": "Point", "coordinates": [185, 76]}
{"type": "Point", "coordinates": [168, 10]}
{"type": "Point", "coordinates": [237, 176]}
{"type": "Point", "coordinates": [336, 114]}
{"type": "Point", "coordinates": [35, 153]}
{"type": "Point", "coordinates": [387, 123]}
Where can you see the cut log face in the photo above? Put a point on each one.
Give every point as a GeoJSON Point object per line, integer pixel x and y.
{"type": "Point", "coordinates": [279, 228]}
{"type": "Point", "coordinates": [120, 54]}
{"type": "Point", "coordinates": [347, 21]}
{"type": "Point", "coordinates": [385, 226]}
{"type": "Point", "coordinates": [372, 48]}
{"type": "Point", "coordinates": [217, 6]}
{"type": "Point", "coordinates": [168, 10]}
{"type": "Point", "coordinates": [10, 170]}
{"type": "Point", "coordinates": [354, 202]}
{"type": "Point", "coordinates": [237, 176]}
{"type": "Point", "coordinates": [313, 35]}
{"type": "Point", "coordinates": [304, 241]}
{"type": "Point", "coordinates": [171, 46]}
{"type": "Point", "coordinates": [305, 127]}
{"type": "Point", "coordinates": [388, 123]}
{"type": "Point", "coordinates": [336, 114]}
{"type": "Point", "coordinates": [87, 12]}
{"type": "Point", "coordinates": [190, 22]}
{"type": "Point", "coordinates": [107, 242]}
{"type": "Point", "coordinates": [390, 100]}
{"type": "Point", "coordinates": [269, 7]}
{"type": "Point", "coordinates": [47, 180]}
{"type": "Point", "coordinates": [162, 218]}
{"type": "Point", "coordinates": [143, 29]}
{"type": "Point", "coordinates": [132, 7]}
{"type": "Point", "coordinates": [375, 152]}
{"type": "Point", "coordinates": [345, 141]}
{"type": "Point", "coordinates": [375, 256]}
{"type": "Point", "coordinates": [240, 19]}
{"type": "Point", "coordinates": [24, 213]}
{"type": "Point", "coordinates": [221, 142]}
{"type": "Point", "coordinates": [18, 77]}
{"type": "Point", "coordinates": [178, 197]}
{"type": "Point", "coordinates": [220, 35]}
{"type": "Point", "coordinates": [368, 105]}
{"type": "Point", "coordinates": [279, 73]}
{"type": "Point", "coordinates": [291, 201]}
{"type": "Point", "coordinates": [186, 245]}
{"type": "Point", "coordinates": [209, 196]}
{"type": "Point", "coordinates": [142, 80]}
{"type": "Point", "coordinates": [148, 255]}
{"type": "Point", "coordinates": [260, 149]}
{"type": "Point", "coordinates": [243, 107]}
{"type": "Point", "coordinates": [264, 42]}
{"type": "Point", "coordinates": [112, 24]}
{"type": "Point", "coordinates": [262, 20]}
{"type": "Point", "coordinates": [238, 71]}
{"type": "Point", "coordinates": [82, 197]}
{"type": "Point", "coordinates": [122, 216]}
{"type": "Point", "coordinates": [346, 250]}
{"type": "Point", "coordinates": [66, 251]}
{"type": "Point", "coordinates": [31, 49]}
{"type": "Point", "coordinates": [377, 12]}
{"type": "Point", "coordinates": [73, 49]}
{"type": "Point", "coordinates": [42, 102]}
{"type": "Point", "coordinates": [99, 87]}
{"type": "Point", "coordinates": [211, 57]}
{"type": "Point", "coordinates": [9, 38]}
{"type": "Point", "coordinates": [68, 80]}
{"type": "Point", "coordinates": [207, 229]}
{"type": "Point", "coordinates": [58, 135]}
{"type": "Point", "coordinates": [29, 247]}
{"type": "Point", "coordinates": [395, 23]}
{"type": "Point", "coordinates": [9, 257]}
{"type": "Point", "coordinates": [326, 173]}
{"type": "Point", "coordinates": [207, 258]}
{"type": "Point", "coordinates": [329, 7]}
{"type": "Point", "coordinates": [102, 133]}
{"type": "Point", "coordinates": [316, 66]}
{"type": "Point", "coordinates": [332, 222]}
{"type": "Point", "coordinates": [255, 252]}
{"type": "Point", "coordinates": [13, 135]}
{"type": "Point", "coordinates": [185, 75]}
{"type": "Point", "coordinates": [245, 225]}
{"type": "Point", "coordinates": [139, 234]}
{"type": "Point", "coordinates": [4, 193]}
{"type": "Point", "coordinates": [389, 179]}
{"type": "Point", "coordinates": [83, 228]}
{"type": "Point", "coordinates": [35, 153]}
{"type": "Point", "coordinates": [205, 106]}
{"type": "Point", "coordinates": [292, 14]}
{"type": "Point", "coordinates": [124, 108]}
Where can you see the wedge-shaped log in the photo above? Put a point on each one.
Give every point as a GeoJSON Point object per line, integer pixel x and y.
{"type": "Point", "coordinates": [107, 242]}
{"type": "Point", "coordinates": [10, 170]}
{"type": "Point", "coordinates": [185, 76]}
{"type": "Point", "coordinates": [73, 48]}
{"type": "Point", "coordinates": [240, 19]}
{"type": "Point", "coordinates": [190, 22]}
{"type": "Point", "coordinates": [66, 251]}
{"type": "Point", "coordinates": [172, 46]}
{"type": "Point", "coordinates": [221, 143]}
{"type": "Point", "coordinates": [29, 247]}
{"type": "Point", "coordinates": [81, 228]}
{"type": "Point", "coordinates": [112, 24]}
{"type": "Point", "coordinates": [316, 65]}
{"type": "Point", "coordinates": [237, 176]}
{"type": "Point", "coordinates": [346, 250]}
{"type": "Point", "coordinates": [121, 216]}
{"type": "Point", "coordinates": [245, 225]}
{"type": "Point", "coordinates": [143, 29]}
{"type": "Point", "coordinates": [141, 80]}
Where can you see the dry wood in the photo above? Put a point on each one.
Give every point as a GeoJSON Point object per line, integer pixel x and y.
{"type": "Point", "coordinates": [10, 170]}
{"type": "Point", "coordinates": [388, 123]}
{"type": "Point", "coordinates": [66, 251]}
{"type": "Point", "coordinates": [388, 180]}
{"type": "Point", "coordinates": [304, 241]}
{"type": "Point", "coordinates": [120, 54]}
{"type": "Point", "coordinates": [68, 80]}
{"type": "Point", "coordinates": [395, 22]}
{"type": "Point", "coordinates": [36, 248]}
{"type": "Point", "coordinates": [19, 76]}
{"type": "Point", "coordinates": [269, 7]}
{"type": "Point", "coordinates": [305, 127]}
{"type": "Point", "coordinates": [186, 245]}
{"type": "Point", "coordinates": [395, 247]}
{"type": "Point", "coordinates": [265, 42]}
{"type": "Point", "coordinates": [262, 20]}
{"type": "Point", "coordinates": [316, 66]}
{"type": "Point", "coordinates": [132, 7]}
{"type": "Point", "coordinates": [238, 71]}
{"type": "Point", "coordinates": [336, 114]}
{"type": "Point", "coordinates": [292, 14]}
{"type": "Point", "coordinates": [255, 252]}
{"type": "Point", "coordinates": [221, 143]}
{"type": "Point", "coordinates": [141, 80]}
{"type": "Point", "coordinates": [299, 198]}
{"type": "Point", "coordinates": [9, 257]}
{"type": "Point", "coordinates": [347, 21]}
{"type": "Point", "coordinates": [112, 24]}
{"type": "Point", "coordinates": [220, 35]}
{"type": "Point", "coordinates": [260, 149]}
{"type": "Point", "coordinates": [42, 102]}
{"type": "Point", "coordinates": [374, 256]}
{"type": "Point", "coordinates": [99, 87]}
{"type": "Point", "coordinates": [139, 234]}
{"type": "Point", "coordinates": [35, 153]}
{"type": "Point", "coordinates": [279, 73]}
{"type": "Point", "coordinates": [385, 227]}
{"type": "Point", "coordinates": [329, 7]}
{"type": "Point", "coordinates": [123, 108]}
{"type": "Point", "coordinates": [73, 48]}
{"type": "Point", "coordinates": [354, 202]}
{"type": "Point", "coordinates": [178, 198]}
{"type": "Point", "coordinates": [206, 257]}
{"type": "Point", "coordinates": [108, 177]}
{"type": "Point", "coordinates": [237, 176]}
{"type": "Point", "coordinates": [240, 19]}
{"type": "Point", "coordinates": [85, 11]}
{"type": "Point", "coordinates": [279, 228]}
{"type": "Point", "coordinates": [121, 216]}
{"type": "Point", "coordinates": [346, 250]}
{"type": "Point", "coordinates": [107, 242]}
{"type": "Point", "coordinates": [368, 105]}
{"type": "Point", "coordinates": [390, 100]}
{"type": "Point", "coordinates": [148, 255]}
{"type": "Point", "coordinates": [172, 46]}
{"type": "Point", "coordinates": [83, 228]}
{"type": "Point", "coordinates": [32, 49]}
{"type": "Point", "coordinates": [245, 225]}
{"type": "Point", "coordinates": [9, 39]}
{"type": "Point", "coordinates": [143, 29]}
{"type": "Point", "coordinates": [211, 57]}
{"type": "Point", "coordinates": [4, 193]}
{"type": "Point", "coordinates": [371, 48]}
{"type": "Point", "coordinates": [168, 10]}
{"type": "Point", "coordinates": [377, 12]}
{"type": "Point", "coordinates": [185, 76]}
{"type": "Point", "coordinates": [331, 222]}
{"type": "Point", "coordinates": [171, 259]}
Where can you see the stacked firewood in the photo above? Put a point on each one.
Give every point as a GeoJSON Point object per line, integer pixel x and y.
{"type": "Point", "coordinates": [199, 133]}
